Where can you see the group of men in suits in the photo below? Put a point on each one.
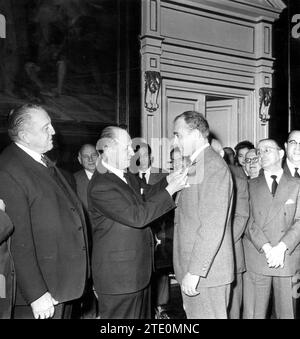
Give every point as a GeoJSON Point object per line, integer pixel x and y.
{"type": "Point", "coordinates": [270, 247]}
{"type": "Point", "coordinates": [236, 240]}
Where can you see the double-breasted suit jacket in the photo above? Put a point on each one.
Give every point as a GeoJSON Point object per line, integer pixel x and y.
{"type": "Point", "coordinates": [7, 276]}
{"type": "Point", "coordinates": [273, 220]}
{"type": "Point", "coordinates": [202, 231]}
{"type": "Point", "coordinates": [122, 258]}
{"type": "Point", "coordinates": [49, 240]}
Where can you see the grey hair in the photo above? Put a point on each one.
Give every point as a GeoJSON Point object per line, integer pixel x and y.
{"type": "Point", "coordinates": [18, 119]}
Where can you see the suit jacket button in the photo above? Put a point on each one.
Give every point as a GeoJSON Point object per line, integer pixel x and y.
{"type": "Point", "coordinates": [84, 248]}
{"type": "Point", "coordinates": [73, 209]}
{"type": "Point", "coordinates": [80, 228]}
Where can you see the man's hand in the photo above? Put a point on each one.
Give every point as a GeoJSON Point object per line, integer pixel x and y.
{"type": "Point", "coordinates": [177, 181]}
{"type": "Point", "coordinates": [189, 284]}
{"type": "Point", "coordinates": [267, 249]}
{"type": "Point", "coordinates": [276, 255]}
{"type": "Point", "coordinates": [43, 308]}
{"type": "Point", "coordinates": [2, 205]}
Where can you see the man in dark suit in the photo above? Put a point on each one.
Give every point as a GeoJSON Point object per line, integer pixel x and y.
{"type": "Point", "coordinates": [272, 237]}
{"type": "Point", "coordinates": [7, 276]}
{"type": "Point", "coordinates": [122, 256]}
{"type": "Point", "coordinates": [162, 229]}
{"type": "Point", "coordinates": [87, 157]}
{"type": "Point", "coordinates": [291, 168]}
{"type": "Point", "coordinates": [49, 241]}
{"type": "Point", "coordinates": [203, 249]}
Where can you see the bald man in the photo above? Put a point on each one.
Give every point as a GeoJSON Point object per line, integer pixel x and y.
{"type": "Point", "coordinates": [122, 254]}
{"type": "Point", "coordinates": [87, 157]}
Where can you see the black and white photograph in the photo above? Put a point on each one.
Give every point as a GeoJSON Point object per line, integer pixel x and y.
{"type": "Point", "coordinates": [149, 162]}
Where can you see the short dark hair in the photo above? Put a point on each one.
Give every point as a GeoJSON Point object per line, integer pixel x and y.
{"type": "Point", "coordinates": [243, 144]}
{"type": "Point", "coordinates": [19, 117]}
{"type": "Point", "coordinates": [195, 120]}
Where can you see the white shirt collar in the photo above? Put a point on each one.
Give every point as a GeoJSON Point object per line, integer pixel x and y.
{"type": "Point", "coordinates": [119, 173]}
{"type": "Point", "coordinates": [88, 174]}
{"type": "Point", "coordinates": [148, 172]}
{"type": "Point", "coordinates": [268, 178]}
{"type": "Point", "coordinates": [198, 151]}
{"type": "Point", "coordinates": [36, 156]}
{"type": "Point", "coordinates": [291, 166]}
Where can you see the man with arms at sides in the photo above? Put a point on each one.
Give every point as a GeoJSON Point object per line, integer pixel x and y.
{"type": "Point", "coordinates": [7, 277]}
{"type": "Point", "coordinates": [122, 240]}
{"type": "Point", "coordinates": [252, 163]}
{"type": "Point", "coordinates": [291, 168]}
{"type": "Point", "coordinates": [87, 157]}
{"type": "Point", "coordinates": [203, 250]}
{"type": "Point", "coordinates": [162, 229]}
{"type": "Point", "coordinates": [49, 241]}
{"type": "Point", "coordinates": [272, 237]}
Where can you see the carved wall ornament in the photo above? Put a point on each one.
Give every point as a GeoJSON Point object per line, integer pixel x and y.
{"type": "Point", "coordinates": [265, 96]}
{"type": "Point", "coordinates": [152, 87]}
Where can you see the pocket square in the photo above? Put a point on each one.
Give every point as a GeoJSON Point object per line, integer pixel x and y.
{"type": "Point", "coordinates": [290, 201]}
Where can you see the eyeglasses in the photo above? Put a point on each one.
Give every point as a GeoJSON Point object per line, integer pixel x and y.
{"type": "Point", "coordinates": [251, 160]}
{"type": "Point", "coordinates": [267, 150]}
{"type": "Point", "coordinates": [293, 142]}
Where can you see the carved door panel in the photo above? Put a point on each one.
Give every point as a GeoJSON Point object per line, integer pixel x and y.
{"type": "Point", "coordinates": [179, 100]}
{"type": "Point", "coordinates": [222, 116]}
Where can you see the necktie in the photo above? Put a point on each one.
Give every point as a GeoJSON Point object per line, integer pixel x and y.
{"type": "Point", "coordinates": [144, 178]}
{"type": "Point", "coordinates": [296, 175]}
{"type": "Point", "coordinates": [55, 175]}
{"type": "Point", "coordinates": [274, 184]}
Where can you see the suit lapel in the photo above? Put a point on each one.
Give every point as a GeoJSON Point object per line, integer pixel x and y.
{"type": "Point", "coordinates": [263, 197]}
{"type": "Point", "coordinates": [282, 194]}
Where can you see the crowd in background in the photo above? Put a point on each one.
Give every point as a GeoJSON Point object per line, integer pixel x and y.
{"type": "Point", "coordinates": [102, 242]}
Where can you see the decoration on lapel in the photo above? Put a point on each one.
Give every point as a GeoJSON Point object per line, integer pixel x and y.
{"type": "Point", "coordinates": [265, 96]}
{"type": "Point", "coordinates": [152, 87]}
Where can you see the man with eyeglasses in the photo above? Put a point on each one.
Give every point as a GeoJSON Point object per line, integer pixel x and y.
{"type": "Point", "coordinates": [272, 237]}
{"type": "Point", "coordinates": [292, 147]}
{"type": "Point", "coordinates": [252, 164]}
{"type": "Point", "coordinates": [291, 168]}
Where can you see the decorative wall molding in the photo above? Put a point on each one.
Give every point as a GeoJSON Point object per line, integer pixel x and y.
{"type": "Point", "coordinates": [265, 97]}
{"type": "Point", "coordinates": [152, 87]}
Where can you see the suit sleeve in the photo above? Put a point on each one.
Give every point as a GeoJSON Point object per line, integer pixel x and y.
{"type": "Point", "coordinates": [30, 279]}
{"type": "Point", "coordinates": [6, 227]}
{"type": "Point", "coordinates": [127, 209]}
{"type": "Point", "coordinates": [292, 236]}
{"type": "Point", "coordinates": [213, 218]}
{"type": "Point", "coordinates": [241, 212]}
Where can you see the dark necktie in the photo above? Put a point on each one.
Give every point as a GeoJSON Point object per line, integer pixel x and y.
{"type": "Point", "coordinates": [274, 184]}
{"type": "Point", "coordinates": [144, 178]}
{"type": "Point", "coordinates": [296, 175]}
{"type": "Point", "coordinates": [55, 175]}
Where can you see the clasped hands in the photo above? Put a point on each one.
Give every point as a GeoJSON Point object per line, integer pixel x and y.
{"type": "Point", "coordinates": [43, 308]}
{"type": "Point", "coordinates": [275, 255]}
